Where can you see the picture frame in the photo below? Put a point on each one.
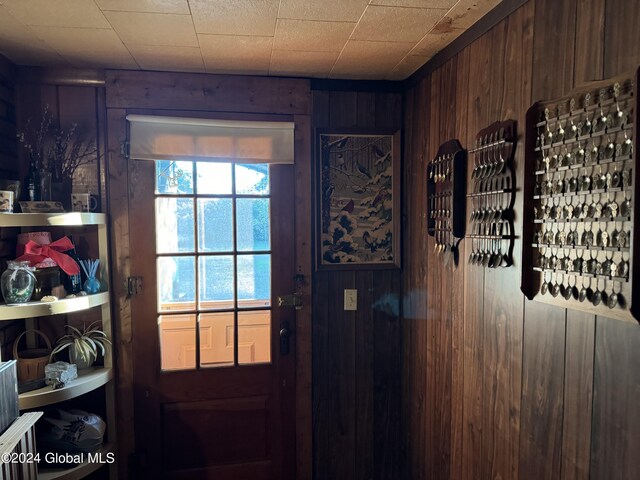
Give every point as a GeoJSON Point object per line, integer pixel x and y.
{"type": "Point", "coordinates": [357, 199]}
{"type": "Point", "coordinates": [44, 206]}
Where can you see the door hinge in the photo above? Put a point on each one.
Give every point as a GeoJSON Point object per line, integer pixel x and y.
{"type": "Point", "coordinates": [125, 149]}
{"type": "Point", "coordinates": [293, 300]}
{"type": "Point", "coordinates": [134, 286]}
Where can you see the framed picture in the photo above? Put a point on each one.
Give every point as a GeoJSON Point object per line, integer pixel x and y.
{"type": "Point", "coordinates": [358, 199]}
{"type": "Point", "coordinates": [41, 207]}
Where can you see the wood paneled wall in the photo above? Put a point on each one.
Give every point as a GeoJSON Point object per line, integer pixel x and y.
{"type": "Point", "coordinates": [8, 143]}
{"type": "Point", "coordinates": [71, 97]}
{"type": "Point", "coordinates": [495, 386]}
{"type": "Point", "coordinates": [356, 355]}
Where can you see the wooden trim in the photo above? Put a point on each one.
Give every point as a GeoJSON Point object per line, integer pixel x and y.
{"type": "Point", "coordinates": [118, 195]}
{"type": "Point", "coordinates": [304, 268]}
{"type": "Point", "coordinates": [60, 76]}
{"type": "Point", "coordinates": [373, 86]}
{"type": "Point", "coordinates": [207, 92]}
{"type": "Point", "coordinates": [482, 26]}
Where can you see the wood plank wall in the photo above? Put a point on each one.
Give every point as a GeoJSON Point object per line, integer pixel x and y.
{"type": "Point", "coordinates": [71, 97]}
{"type": "Point", "coordinates": [8, 143]}
{"type": "Point", "coordinates": [356, 355]}
{"type": "Point", "coordinates": [495, 386]}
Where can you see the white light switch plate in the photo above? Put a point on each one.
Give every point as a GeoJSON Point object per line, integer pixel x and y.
{"type": "Point", "coordinates": [350, 299]}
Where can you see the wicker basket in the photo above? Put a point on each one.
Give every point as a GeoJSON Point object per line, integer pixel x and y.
{"type": "Point", "coordinates": [31, 362]}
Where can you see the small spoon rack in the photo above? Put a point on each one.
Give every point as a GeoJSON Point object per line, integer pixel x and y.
{"type": "Point", "coordinates": [446, 184]}
{"type": "Point", "coordinates": [493, 196]}
{"type": "Point", "coordinates": [581, 182]}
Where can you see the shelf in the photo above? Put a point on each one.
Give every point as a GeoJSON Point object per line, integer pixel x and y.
{"type": "Point", "coordinates": [79, 471]}
{"type": "Point", "coordinates": [492, 237]}
{"type": "Point", "coordinates": [572, 140]}
{"type": "Point", "coordinates": [87, 381]}
{"type": "Point", "coordinates": [580, 247]}
{"type": "Point", "coordinates": [491, 145]}
{"type": "Point", "coordinates": [580, 274]}
{"type": "Point", "coordinates": [40, 309]}
{"type": "Point", "coordinates": [577, 166]}
{"type": "Point", "coordinates": [582, 220]}
{"type": "Point", "coordinates": [581, 193]}
{"type": "Point", "coordinates": [71, 219]}
{"type": "Point", "coordinates": [492, 192]}
{"type": "Point", "coordinates": [577, 112]}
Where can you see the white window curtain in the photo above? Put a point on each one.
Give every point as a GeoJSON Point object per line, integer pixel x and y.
{"type": "Point", "coordinates": [197, 139]}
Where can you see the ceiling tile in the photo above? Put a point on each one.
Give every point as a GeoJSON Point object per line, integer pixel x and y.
{"type": "Point", "coordinates": [87, 47]}
{"type": "Point", "coordinates": [467, 12]}
{"type": "Point", "coordinates": [153, 28]}
{"type": "Point", "coordinates": [396, 24]}
{"type": "Point", "coordinates": [149, 6]}
{"type": "Point", "coordinates": [312, 35]}
{"type": "Point", "coordinates": [416, 3]}
{"type": "Point", "coordinates": [237, 17]}
{"type": "Point", "coordinates": [61, 13]}
{"type": "Point", "coordinates": [363, 59]}
{"type": "Point", "coordinates": [315, 64]}
{"type": "Point", "coordinates": [329, 10]}
{"type": "Point", "coordinates": [407, 66]}
{"type": "Point", "coordinates": [235, 53]}
{"type": "Point", "coordinates": [176, 59]}
{"type": "Point", "coordinates": [20, 44]}
{"type": "Point", "coordinates": [434, 41]}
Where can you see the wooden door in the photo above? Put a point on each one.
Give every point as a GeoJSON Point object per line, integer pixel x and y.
{"type": "Point", "coordinates": [213, 376]}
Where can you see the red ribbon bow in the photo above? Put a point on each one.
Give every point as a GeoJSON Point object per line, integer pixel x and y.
{"type": "Point", "coordinates": [36, 253]}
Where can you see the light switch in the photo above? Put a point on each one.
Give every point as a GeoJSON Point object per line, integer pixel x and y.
{"type": "Point", "coordinates": [350, 299]}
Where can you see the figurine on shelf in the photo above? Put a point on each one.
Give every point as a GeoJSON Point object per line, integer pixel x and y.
{"type": "Point", "coordinates": [91, 284]}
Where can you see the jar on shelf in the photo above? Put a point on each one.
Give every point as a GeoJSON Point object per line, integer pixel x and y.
{"type": "Point", "coordinates": [46, 280]}
{"type": "Point", "coordinates": [18, 282]}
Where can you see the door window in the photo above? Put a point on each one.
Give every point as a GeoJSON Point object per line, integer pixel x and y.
{"type": "Point", "coordinates": [213, 254]}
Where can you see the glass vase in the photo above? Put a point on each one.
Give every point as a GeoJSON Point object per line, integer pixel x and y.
{"type": "Point", "coordinates": [92, 285]}
{"type": "Point", "coordinates": [17, 282]}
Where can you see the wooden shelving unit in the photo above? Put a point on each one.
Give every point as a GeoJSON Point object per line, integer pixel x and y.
{"type": "Point", "coordinates": [90, 379]}
{"type": "Point", "coordinates": [87, 381]}
{"type": "Point", "coordinates": [41, 309]}
{"type": "Point", "coordinates": [73, 219]}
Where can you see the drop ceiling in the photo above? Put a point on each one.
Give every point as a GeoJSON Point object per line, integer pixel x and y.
{"type": "Point", "coordinates": [349, 39]}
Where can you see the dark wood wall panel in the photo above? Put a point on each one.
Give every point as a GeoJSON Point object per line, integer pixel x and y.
{"type": "Point", "coordinates": [414, 279]}
{"type": "Point", "coordinates": [356, 355]}
{"type": "Point", "coordinates": [69, 104]}
{"type": "Point", "coordinates": [457, 331]}
{"type": "Point", "coordinates": [474, 280]}
{"type": "Point", "coordinates": [516, 389]}
{"type": "Point", "coordinates": [8, 143]}
{"type": "Point", "coordinates": [543, 366]}
{"type": "Point", "coordinates": [615, 435]}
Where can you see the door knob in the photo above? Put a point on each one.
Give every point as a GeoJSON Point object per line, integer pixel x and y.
{"type": "Point", "coordinates": [285, 334]}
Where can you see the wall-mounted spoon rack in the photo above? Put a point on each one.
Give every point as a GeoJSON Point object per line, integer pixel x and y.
{"type": "Point", "coordinates": [493, 196]}
{"type": "Point", "coordinates": [581, 182]}
{"type": "Point", "coordinates": [446, 184]}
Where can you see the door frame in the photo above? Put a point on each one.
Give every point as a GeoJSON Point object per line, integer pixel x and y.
{"type": "Point", "coordinates": [117, 175]}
